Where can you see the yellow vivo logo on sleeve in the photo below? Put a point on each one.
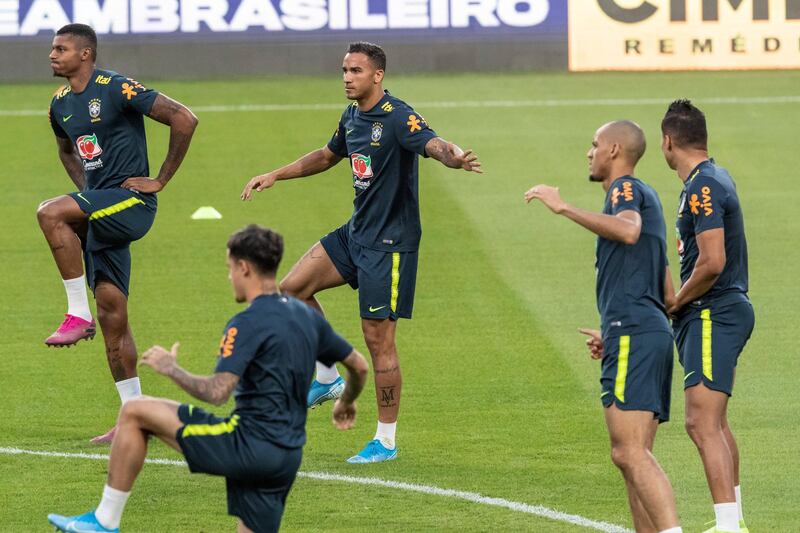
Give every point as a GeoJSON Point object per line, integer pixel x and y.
{"type": "Point", "coordinates": [683, 34]}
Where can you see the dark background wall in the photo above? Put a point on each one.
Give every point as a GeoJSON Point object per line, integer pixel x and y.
{"type": "Point", "coordinates": [159, 58]}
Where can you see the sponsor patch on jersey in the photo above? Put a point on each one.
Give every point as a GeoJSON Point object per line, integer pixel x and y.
{"type": "Point", "coordinates": [94, 109]}
{"type": "Point", "coordinates": [228, 340]}
{"type": "Point", "coordinates": [695, 204]}
{"type": "Point", "coordinates": [88, 147]}
{"type": "Point", "coordinates": [377, 132]}
{"type": "Point", "coordinates": [414, 123]}
{"type": "Point", "coordinates": [362, 166]}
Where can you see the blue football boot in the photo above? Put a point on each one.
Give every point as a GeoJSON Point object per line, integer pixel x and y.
{"type": "Point", "coordinates": [85, 523]}
{"type": "Point", "coordinates": [373, 452]}
{"type": "Point", "coordinates": [319, 393]}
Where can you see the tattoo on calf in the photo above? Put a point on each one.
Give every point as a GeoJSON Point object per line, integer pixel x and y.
{"type": "Point", "coordinates": [387, 397]}
{"type": "Point", "coordinates": [387, 370]}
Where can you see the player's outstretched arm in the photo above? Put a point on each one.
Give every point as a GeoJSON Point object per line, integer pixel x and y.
{"type": "Point", "coordinates": [308, 165]}
{"type": "Point", "coordinates": [452, 156]}
{"type": "Point", "coordinates": [71, 161]}
{"type": "Point", "coordinates": [215, 389]}
{"type": "Point", "coordinates": [344, 410]}
{"type": "Point", "coordinates": [182, 123]}
{"type": "Point", "coordinates": [625, 226]}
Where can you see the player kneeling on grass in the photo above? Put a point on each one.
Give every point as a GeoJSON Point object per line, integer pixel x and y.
{"type": "Point", "coordinates": [635, 345]}
{"type": "Point", "coordinates": [268, 354]}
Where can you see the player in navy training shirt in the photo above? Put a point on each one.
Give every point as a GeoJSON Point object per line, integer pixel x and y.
{"type": "Point", "coordinates": [376, 250]}
{"type": "Point", "coordinates": [635, 341]}
{"type": "Point", "coordinates": [97, 119]}
{"type": "Point", "coordinates": [713, 317]}
{"type": "Point", "coordinates": [266, 359]}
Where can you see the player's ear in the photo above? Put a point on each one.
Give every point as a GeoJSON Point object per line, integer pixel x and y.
{"type": "Point", "coordinates": [378, 76]}
{"type": "Point", "coordinates": [616, 149]}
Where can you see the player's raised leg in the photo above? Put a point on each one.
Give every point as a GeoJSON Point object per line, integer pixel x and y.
{"type": "Point", "coordinates": [632, 434]}
{"type": "Point", "coordinates": [705, 413]}
{"type": "Point", "coordinates": [138, 420]}
{"type": "Point", "coordinates": [315, 272]}
{"type": "Point", "coordinates": [112, 313]}
{"type": "Point", "coordinates": [380, 338]}
{"type": "Point", "coordinates": [58, 219]}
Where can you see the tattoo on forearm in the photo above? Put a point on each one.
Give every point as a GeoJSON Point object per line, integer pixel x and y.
{"type": "Point", "coordinates": [442, 151]}
{"type": "Point", "coordinates": [212, 389]}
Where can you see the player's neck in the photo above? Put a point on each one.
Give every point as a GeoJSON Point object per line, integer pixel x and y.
{"type": "Point", "coordinates": [690, 162]}
{"type": "Point", "coordinates": [370, 101]}
{"type": "Point", "coordinates": [262, 287]}
{"type": "Point", "coordinates": [80, 79]}
{"type": "Point", "coordinates": [615, 174]}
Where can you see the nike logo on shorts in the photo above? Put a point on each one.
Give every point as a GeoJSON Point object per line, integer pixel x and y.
{"type": "Point", "coordinates": [687, 376]}
{"type": "Point", "coordinates": [375, 309]}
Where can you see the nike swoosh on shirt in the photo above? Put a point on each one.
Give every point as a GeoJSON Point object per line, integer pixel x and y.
{"type": "Point", "coordinates": [348, 132]}
{"type": "Point", "coordinates": [374, 309]}
{"type": "Point", "coordinates": [688, 375]}
{"type": "Point", "coordinates": [64, 119]}
{"type": "Point", "coordinates": [79, 195]}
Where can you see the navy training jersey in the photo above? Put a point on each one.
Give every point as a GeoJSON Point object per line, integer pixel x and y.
{"type": "Point", "coordinates": [382, 144]}
{"type": "Point", "coordinates": [105, 123]}
{"type": "Point", "coordinates": [273, 346]}
{"type": "Point", "coordinates": [709, 201]}
{"type": "Point", "coordinates": [630, 277]}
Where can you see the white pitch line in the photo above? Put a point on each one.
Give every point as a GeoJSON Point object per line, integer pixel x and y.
{"type": "Point", "coordinates": [473, 497]}
{"type": "Point", "coordinates": [597, 102]}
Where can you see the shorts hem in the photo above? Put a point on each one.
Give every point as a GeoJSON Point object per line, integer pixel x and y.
{"type": "Point", "coordinates": [632, 407]}
{"type": "Point", "coordinates": [709, 385]}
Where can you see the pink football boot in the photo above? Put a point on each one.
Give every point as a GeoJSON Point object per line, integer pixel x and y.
{"type": "Point", "coordinates": [107, 438]}
{"type": "Point", "coordinates": [71, 331]}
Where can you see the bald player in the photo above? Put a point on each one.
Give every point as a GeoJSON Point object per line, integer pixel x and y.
{"type": "Point", "coordinates": [635, 339]}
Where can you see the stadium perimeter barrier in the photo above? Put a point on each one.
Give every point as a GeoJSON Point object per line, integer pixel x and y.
{"type": "Point", "coordinates": [156, 39]}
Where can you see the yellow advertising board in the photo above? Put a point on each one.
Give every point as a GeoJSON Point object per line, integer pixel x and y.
{"type": "Point", "coordinates": [684, 34]}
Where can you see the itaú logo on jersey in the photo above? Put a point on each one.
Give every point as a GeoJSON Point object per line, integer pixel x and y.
{"type": "Point", "coordinates": [88, 148]}
{"type": "Point", "coordinates": [362, 166]}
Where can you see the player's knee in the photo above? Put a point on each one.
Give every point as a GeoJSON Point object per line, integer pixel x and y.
{"type": "Point", "coordinates": [47, 214]}
{"type": "Point", "coordinates": [379, 342]}
{"type": "Point", "coordinates": [133, 409]}
{"type": "Point", "coordinates": [626, 457]}
{"type": "Point", "coordinates": [291, 287]}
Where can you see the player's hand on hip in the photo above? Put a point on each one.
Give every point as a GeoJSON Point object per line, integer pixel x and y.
{"type": "Point", "coordinates": [594, 342]}
{"type": "Point", "coordinates": [470, 163]}
{"type": "Point", "coordinates": [159, 359]}
{"type": "Point", "coordinates": [258, 184]}
{"type": "Point", "coordinates": [142, 184]}
{"type": "Point", "coordinates": [549, 196]}
{"type": "Point", "coordinates": [344, 414]}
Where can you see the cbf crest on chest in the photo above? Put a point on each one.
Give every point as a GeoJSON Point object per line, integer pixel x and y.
{"type": "Point", "coordinates": [377, 133]}
{"type": "Point", "coordinates": [94, 109]}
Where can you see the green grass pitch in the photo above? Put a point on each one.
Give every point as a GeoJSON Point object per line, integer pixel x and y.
{"type": "Point", "coordinates": [499, 395]}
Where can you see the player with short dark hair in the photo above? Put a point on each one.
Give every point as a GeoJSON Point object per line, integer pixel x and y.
{"type": "Point", "coordinates": [376, 250]}
{"type": "Point", "coordinates": [267, 355]}
{"type": "Point", "coordinates": [635, 340]}
{"type": "Point", "coordinates": [713, 317]}
{"type": "Point", "coordinates": [97, 121]}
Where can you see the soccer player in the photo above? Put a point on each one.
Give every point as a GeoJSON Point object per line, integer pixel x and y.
{"type": "Point", "coordinates": [97, 121]}
{"type": "Point", "coordinates": [713, 317]}
{"type": "Point", "coordinates": [635, 340]}
{"type": "Point", "coordinates": [376, 250]}
{"type": "Point", "coordinates": [267, 355]}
